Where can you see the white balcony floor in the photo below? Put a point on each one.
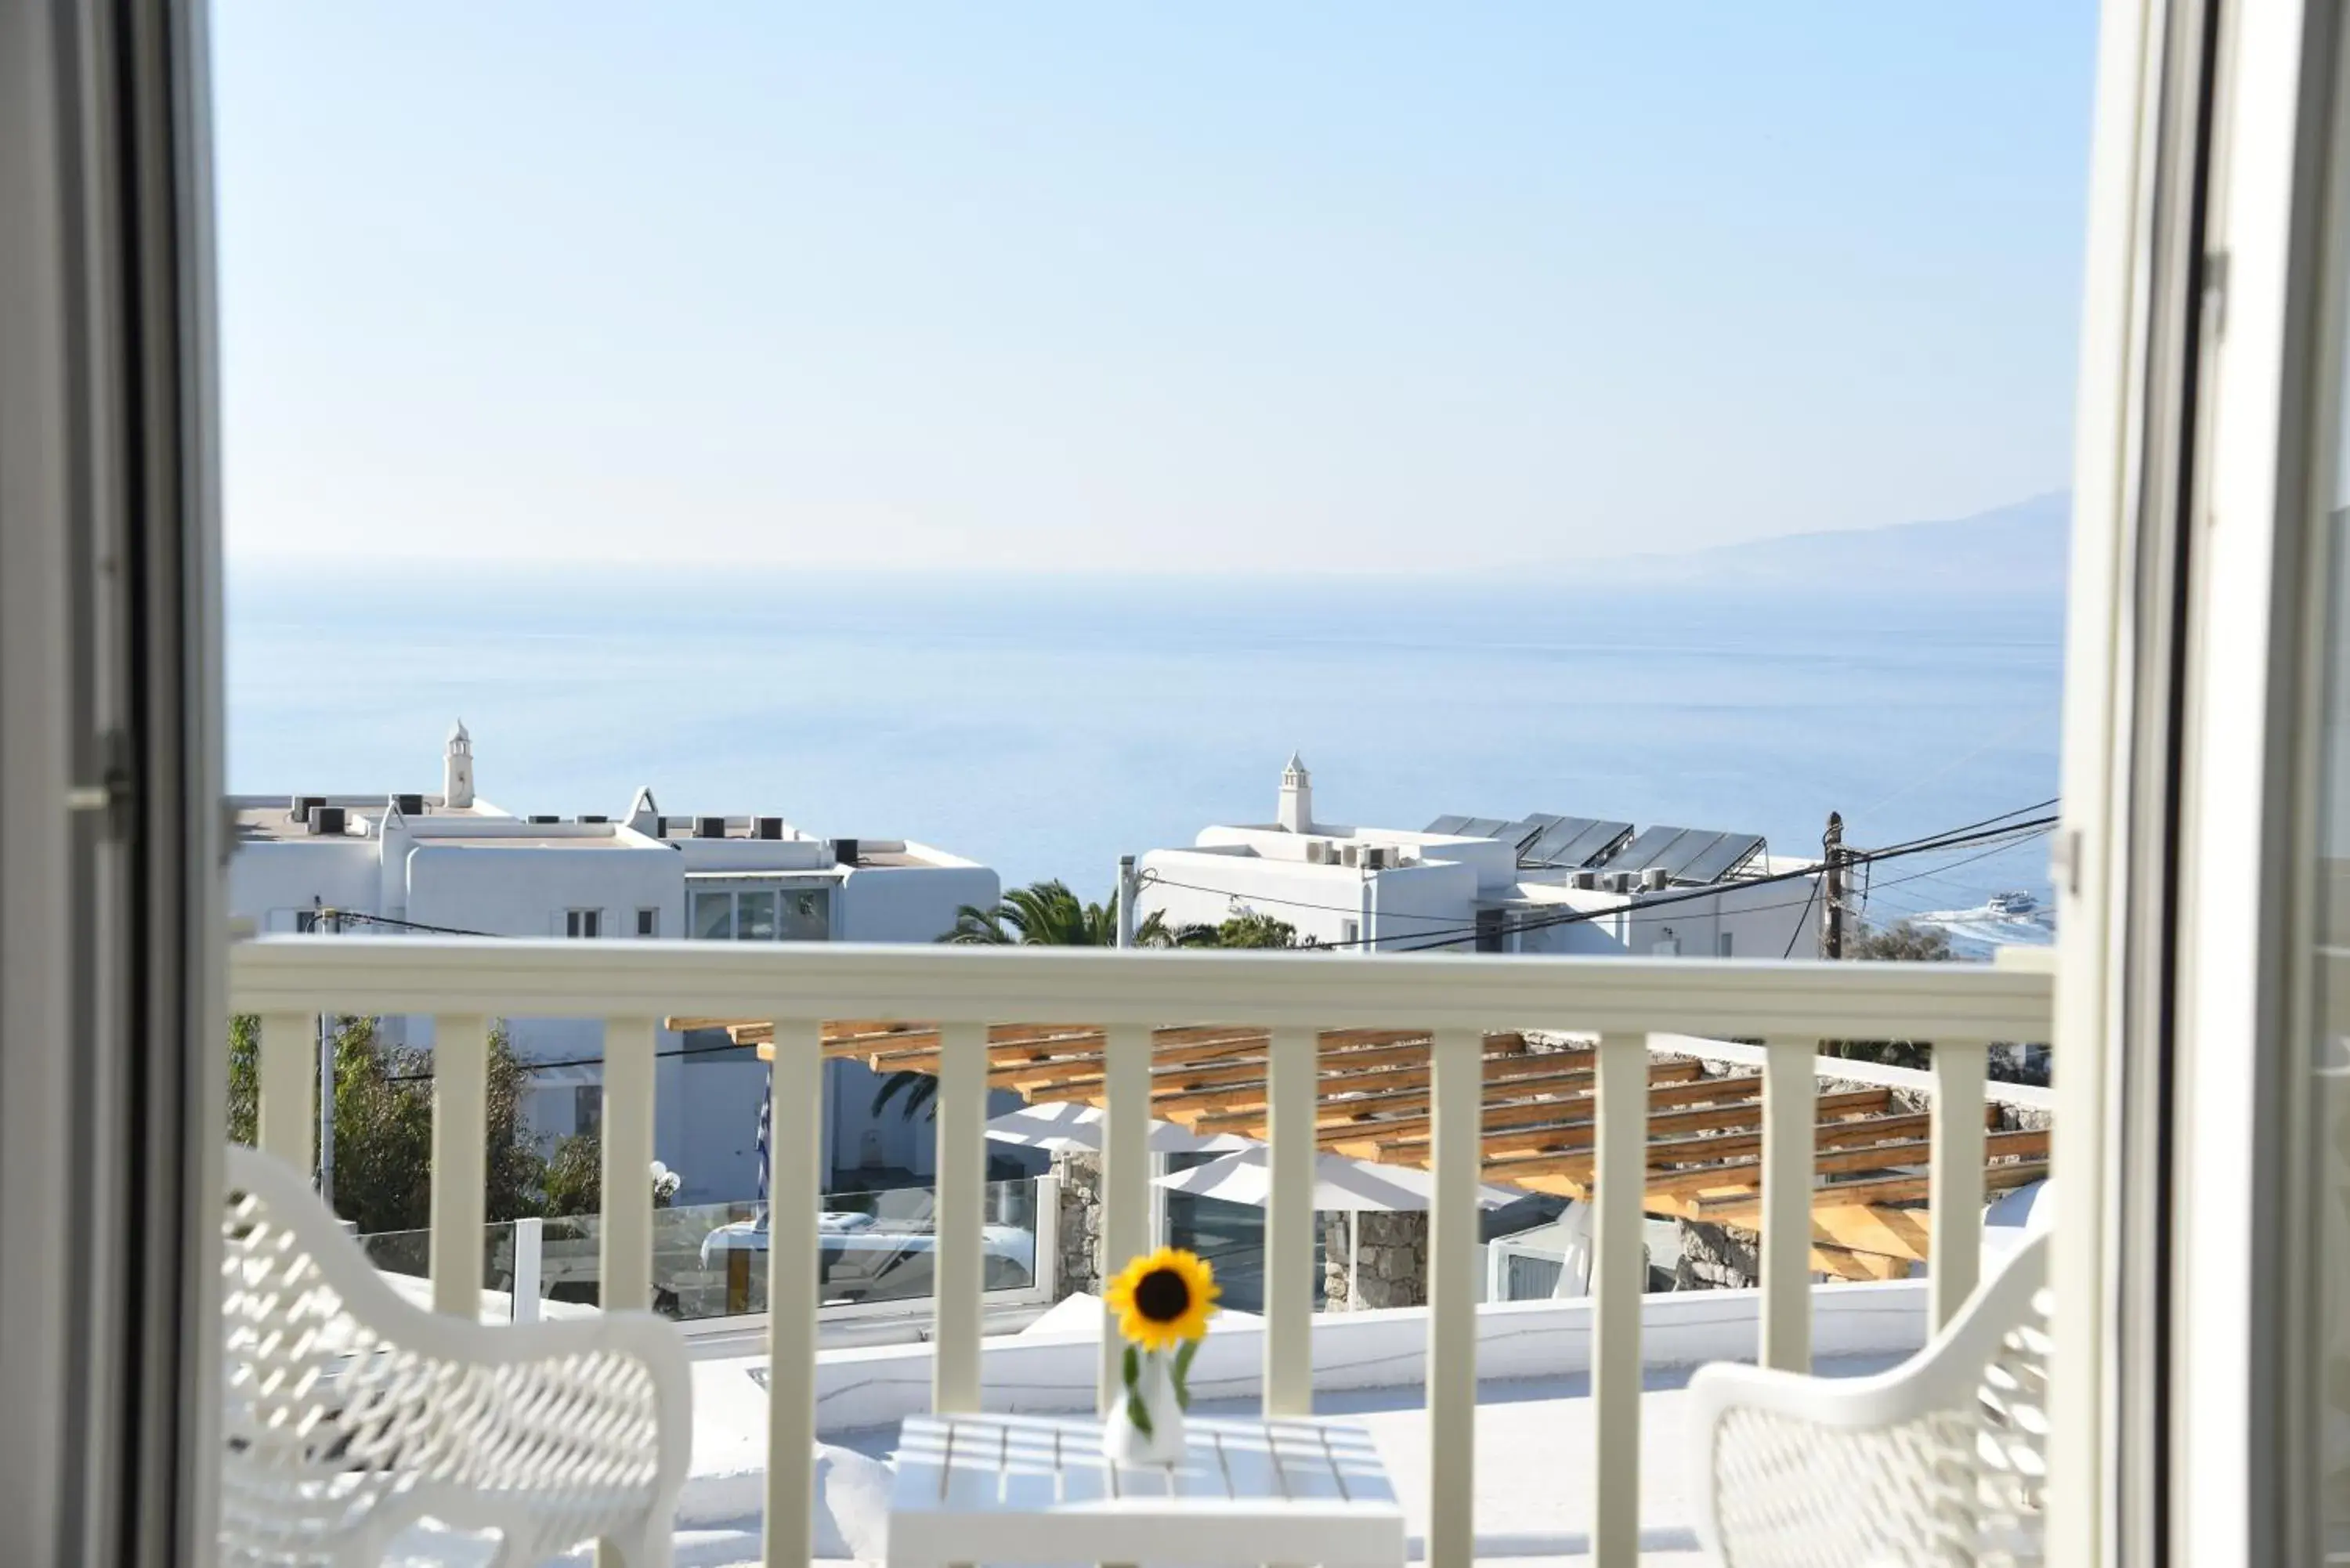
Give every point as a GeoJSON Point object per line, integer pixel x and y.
{"type": "Point", "coordinates": [1533, 1469]}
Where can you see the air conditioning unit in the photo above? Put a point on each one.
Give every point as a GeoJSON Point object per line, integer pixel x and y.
{"type": "Point", "coordinates": [1317, 852]}
{"type": "Point", "coordinates": [1586, 880]}
{"type": "Point", "coordinates": [1619, 881]}
{"type": "Point", "coordinates": [1375, 859]}
{"type": "Point", "coordinates": [1350, 854]}
{"type": "Point", "coordinates": [1656, 880]}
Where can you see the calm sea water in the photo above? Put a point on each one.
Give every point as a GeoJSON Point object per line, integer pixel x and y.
{"type": "Point", "coordinates": [1046, 726]}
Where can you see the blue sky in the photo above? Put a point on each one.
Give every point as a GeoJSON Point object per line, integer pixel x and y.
{"type": "Point", "coordinates": [1109, 288]}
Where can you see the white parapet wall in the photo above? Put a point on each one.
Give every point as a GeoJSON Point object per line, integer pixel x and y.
{"type": "Point", "coordinates": [859, 1389]}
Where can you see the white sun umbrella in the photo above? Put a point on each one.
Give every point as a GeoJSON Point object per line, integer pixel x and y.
{"type": "Point", "coordinates": [1339, 1183]}
{"type": "Point", "coordinates": [1065, 1124]}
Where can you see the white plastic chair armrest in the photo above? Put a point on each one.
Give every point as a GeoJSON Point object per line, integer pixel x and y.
{"type": "Point", "coordinates": [1946, 1375]}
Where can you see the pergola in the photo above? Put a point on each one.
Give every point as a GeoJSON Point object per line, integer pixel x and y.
{"type": "Point", "coordinates": [1869, 1217]}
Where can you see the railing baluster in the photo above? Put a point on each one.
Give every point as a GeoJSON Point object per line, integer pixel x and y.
{"type": "Point", "coordinates": [1456, 1107]}
{"type": "Point", "coordinates": [461, 1141]}
{"type": "Point", "coordinates": [794, 1167]}
{"type": "Point", "coordinates": [1619, 1263]}
{"type": "Point", "coordinates": [1289, 1225]}
{"type": "Point", "coordinates": [287, 1072]}
{"type": "Point", "coordinates": [1955, 1180]}
{"type": "Point", "coordinates": [961, 1210]}
{"type": "Point", "coordinates": [1126, 1174]}
{"type": "Point", "coordinates": [624, 1255]}
{"type": "Point", "coordinates": [1790, 1100]}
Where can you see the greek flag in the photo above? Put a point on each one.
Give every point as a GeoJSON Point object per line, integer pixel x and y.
{"type": "Point", "coordinates": [766, 1125]}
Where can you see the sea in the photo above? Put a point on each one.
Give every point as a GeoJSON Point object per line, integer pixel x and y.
{"type": "Point", "coordinates": [1045, 725]}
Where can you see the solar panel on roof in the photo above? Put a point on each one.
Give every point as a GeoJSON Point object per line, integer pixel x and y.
{"type": "Point", "coordinates": [1526, 829]}
{"type": "Point", "coordinates": [1687, 853]}
{"type": "Point", "coordinates": [1575, 842]}
{"type": "Point", "coordinates": [1451, 825]}
{"type": "Point", "coordinates": [1726, 854]}
{"type": "Point", "coordinates": [1483, 828]}
{"type": "Point", "coordinates": [1649, 849]}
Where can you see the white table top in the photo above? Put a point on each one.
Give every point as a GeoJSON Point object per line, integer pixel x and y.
{"type": "Point", "coordinates": [1036, 1489]}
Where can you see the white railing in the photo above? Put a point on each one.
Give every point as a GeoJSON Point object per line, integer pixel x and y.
{"type": "Point", "coordinates": [630, 986]}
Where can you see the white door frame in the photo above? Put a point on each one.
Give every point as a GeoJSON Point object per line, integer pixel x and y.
{"type": "Point", "coordinates": [112, 1017]}
{"type": "Point", "coordinates": [2227, 1268]}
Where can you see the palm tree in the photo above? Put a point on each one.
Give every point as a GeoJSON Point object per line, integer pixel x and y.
{"type": "Point", "coordinates": [1046, 914]}
{"type": "Point", "coordinates": [1043, 914]}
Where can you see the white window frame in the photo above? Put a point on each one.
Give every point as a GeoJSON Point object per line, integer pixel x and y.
{"type": "Point", "coordinates": [583, 925]}
{"type": "Point", "coordinates": [649, 920]}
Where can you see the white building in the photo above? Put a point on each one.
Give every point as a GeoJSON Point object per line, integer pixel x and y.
{"type": "Point", "coordinates": [1540, 884]}
{"type": "Point", "coordinates": [453, 862]}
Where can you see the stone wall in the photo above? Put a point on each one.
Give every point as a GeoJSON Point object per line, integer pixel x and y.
{"type": "Point", "coordinates": [1081, 1222]}
{"type": "Point", "coordinates": [1718, 1257]}
{"type": "Point", "coordinates": [1394, 1271]}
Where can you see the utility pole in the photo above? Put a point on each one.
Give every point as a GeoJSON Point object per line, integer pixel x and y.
{"type": "Point", "coordinates": [1832, 907]}
{"type": "Point", "coordinates": [1126, 886]}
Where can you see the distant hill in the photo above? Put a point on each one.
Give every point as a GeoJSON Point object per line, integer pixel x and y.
{"type": "Point", "coordinates": [2011, 550]}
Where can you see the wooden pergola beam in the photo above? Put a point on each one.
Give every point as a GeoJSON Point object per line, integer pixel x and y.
{"type": "Point", "coordinates": [1229, 1110]}
{"type": "Point", "coordinates": [1875, 1192]}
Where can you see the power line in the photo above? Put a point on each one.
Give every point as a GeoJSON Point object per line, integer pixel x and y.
{"type": "Point", "coordinates": [1968, 828]}
{"type": "Point", "coordinates": [340, 915]}
{"type": "Point", "coordinates": [1155, 880]}
{"type": "Point", "coordinates": [1797, 934]}
{"type": "Point", "coordinates": [1950, 837]}
{"type": "Point", "coordinates": [1955, 840]}
{"type": "Point", "coordinates": [587, 1061]}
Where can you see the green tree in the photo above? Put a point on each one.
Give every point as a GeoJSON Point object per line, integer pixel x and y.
{"type": "Point", "coordinates": [1901, 942]}
{"type": "Point", "coordinates": [1243, 929]}
{"type": "Point", "coordinates": [383, 1127]}
{"type": "Point", "coordinates": [1046, 914]}
{"type": "Point", "coordinates": [574, 1178]}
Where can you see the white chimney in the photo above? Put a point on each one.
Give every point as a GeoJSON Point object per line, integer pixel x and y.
{"type": "Point", "coordinates": [1296, 797]}
{"type": "Point", "coordinates": [457, 769]}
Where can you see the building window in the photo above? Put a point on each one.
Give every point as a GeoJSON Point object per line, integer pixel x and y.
{"type": "Point", "coordinates": [306, 922]}
{"type": "Point", "coordinates": [1721, 945]}
{"type": "Point", "coordinates": [713, 917]}
{"type": "Point", "coordinates": [648, 922]}
{"type": "Point", "coordinates": [805, 915]}
{"type": "Point", "coordinates": [755, 917]}
{"type": "Point", "coordinates": [1349, 933]}
{"type": "Point", "coordinates": [763, 915]}
{"type": "Point", "coordinates": [583, 922]}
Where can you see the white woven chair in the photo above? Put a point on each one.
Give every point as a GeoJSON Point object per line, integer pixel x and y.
{"type": "Point", "coordinates": [350, 1414]}
{"type": "Point", "coordinates": [1939, 1461]}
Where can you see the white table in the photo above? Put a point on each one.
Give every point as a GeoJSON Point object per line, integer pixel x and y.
{"type": "Point", "coordinates": [1036, 1490]}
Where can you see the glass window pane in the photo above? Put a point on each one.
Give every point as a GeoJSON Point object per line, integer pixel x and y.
{"type": "Point", "coordinates": [713, 917]}
{"type": "Point", "coordinates": [806, 915]}
{"type": "Point", "coordinates": [755, 917]}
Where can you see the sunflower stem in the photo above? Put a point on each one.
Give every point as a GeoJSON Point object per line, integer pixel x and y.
{"type": "Point", "coordinates": [1182, 1372]}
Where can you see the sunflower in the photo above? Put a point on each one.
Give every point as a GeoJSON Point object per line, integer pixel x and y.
{"type": "Point", "coordinates": [1163, 1297]}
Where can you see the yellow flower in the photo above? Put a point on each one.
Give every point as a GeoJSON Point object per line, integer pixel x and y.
{"type": "Point", "coordinates": [1163, 1297]}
